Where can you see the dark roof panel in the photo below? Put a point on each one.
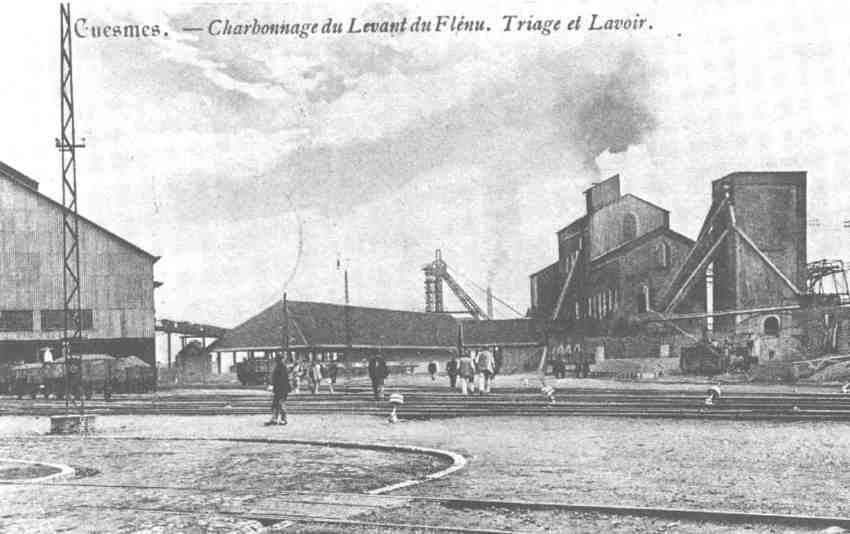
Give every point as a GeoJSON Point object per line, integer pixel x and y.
{"type": "Point", "coordinates": [323, 324]}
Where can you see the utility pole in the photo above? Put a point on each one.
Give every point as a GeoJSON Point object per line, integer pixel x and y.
{"type": "Point", "coordinates": [67, 145]}
{"type": "Point", "coordinates": [339, 266]}
{"type": "Point", "coordinates": [284, 346]}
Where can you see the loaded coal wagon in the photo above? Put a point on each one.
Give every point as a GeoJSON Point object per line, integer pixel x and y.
{"type": "Point", "coordinates": [26, 379]}
{"type": "Point", "coordinates": [101, 373]}
{"type": "Point", "coordinates": [97, 372]}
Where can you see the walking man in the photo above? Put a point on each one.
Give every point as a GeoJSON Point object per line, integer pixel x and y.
{"type": "Point", "coordinates": [315, 374]}
{"type": "Point", "coordinates": [466, 370]}
{"type": "Point", "coordinates": [486, 367]}
{"type": "Point", "coordinates": [280, 390]}
{"type": "Point", "coordinates": [333, 370]}
{"type": "Point", "coordinates": [378, 372]}
{"type": "Point", "coordinates": [451, 370]}
{"type": "Point", "coordinates": [432, 370]}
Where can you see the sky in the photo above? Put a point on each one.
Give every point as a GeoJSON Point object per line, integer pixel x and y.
{"type": "Point", "coordinates": [251, 164]}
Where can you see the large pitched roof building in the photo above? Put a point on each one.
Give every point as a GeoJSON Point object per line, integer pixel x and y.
{"type": "Point", "coordinates": [116, 283]}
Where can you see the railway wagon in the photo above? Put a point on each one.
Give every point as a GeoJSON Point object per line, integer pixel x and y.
{"type": "Point", "coordinates": [702, 360]}
{"type": "Point", "coordinates": [101, 373]}
{"type": "Point", "coordinates": [26, 379]}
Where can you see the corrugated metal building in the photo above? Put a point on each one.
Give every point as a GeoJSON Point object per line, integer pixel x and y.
{"type": "Point", "coordinates": [117, 282]}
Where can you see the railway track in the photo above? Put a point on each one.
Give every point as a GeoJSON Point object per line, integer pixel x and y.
{"type": "Point", "coordinates": [429, 403]}
{"type": "Point", "coordinates": [349, 508]}
{"type": "Point", "coordinates": [272, 516]}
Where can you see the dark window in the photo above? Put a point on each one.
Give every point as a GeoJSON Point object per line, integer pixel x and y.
{"type": "Point", "coordinates": [16, 321]}
{"type": "Point", "coordinates": [643, 299]}
{"type": "Point", "coordinates": [664, 255]}
{"type": "Point", "coordinates": [55, 319]}
{"type": "Point", "coordinates": [771, 326]}
{"type": "Point", "coordinates": [629, 227]}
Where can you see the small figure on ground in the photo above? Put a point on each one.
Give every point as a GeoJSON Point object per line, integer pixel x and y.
{"type": "Point", "coordinates": [548, 393]}
{"type": "Point", "coordinates": [432, 370]}
{"type": "Point", "coordinates": [396, 400]}
{"type": "Point", "coordinates": [280, 390]}
{"type": "Point", "coordinates": [713, 396]}
{"type": "Point", "coordinates": [378, 372]}
{"type": "Point", "coordinates": [452, 370]}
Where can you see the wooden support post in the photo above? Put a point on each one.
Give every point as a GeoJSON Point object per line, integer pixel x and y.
{"type": "Point", "coordinates": [168, 337]}
{"type": "Point", "coordinates": [691, 277]}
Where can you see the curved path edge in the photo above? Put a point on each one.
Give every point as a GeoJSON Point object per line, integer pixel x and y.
{"type": "Point", "coordinates": [65, 471]}
{"type": "Point", "coordinates": [458, 461]}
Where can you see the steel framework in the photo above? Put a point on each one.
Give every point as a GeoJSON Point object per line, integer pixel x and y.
{"type": "Point", "coordinates": [436, 273]}
{"type": "Point", "coordinates": [67, 145]}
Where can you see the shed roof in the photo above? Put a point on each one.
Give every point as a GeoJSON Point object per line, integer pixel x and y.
{"type": "Point", "coordinates": [31, 186]}
{"type": "Point", "coordinates": [319, 324]}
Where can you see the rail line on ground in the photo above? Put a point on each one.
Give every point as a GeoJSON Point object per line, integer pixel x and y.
{"type": "Point", "coordinates": [272, 516]}
{"type": "Point", "coordinates": [429, 403]}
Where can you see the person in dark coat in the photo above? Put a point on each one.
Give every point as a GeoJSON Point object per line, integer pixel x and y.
{"type": "Point", "coordinates": [452, 371]}
{"type": "Point", "coordinates": [378, 372]}
{"type": "Point", "coordinates": [280, 390]}
{"type": "Point", "coordinates": [432, 370]}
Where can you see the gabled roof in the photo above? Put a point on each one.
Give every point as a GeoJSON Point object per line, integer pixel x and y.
{"type": "Point", "coordinates": [319, 324]}
{"type": "Point", "coordinates": [634, 243]}
{"type": "Point", "coordinates": [31, 186]}
{"type": "Point", "coordinates": [648, 203]}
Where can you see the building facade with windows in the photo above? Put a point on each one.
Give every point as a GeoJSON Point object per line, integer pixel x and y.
{"type": "Point", "coordinates": [117, 284]}
{"type": "Point", "coordinates": [613, 262]}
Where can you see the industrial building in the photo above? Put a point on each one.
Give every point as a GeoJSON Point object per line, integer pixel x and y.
{"type": "Point", "coordinates": [613, 262]}
{"type": "Point", "coordinates": [626, 285]}
{"type": "Point", "coordinates": [116, 279]}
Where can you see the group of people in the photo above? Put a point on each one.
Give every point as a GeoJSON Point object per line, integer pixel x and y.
{"type": "Point", "coordinates": [473, 370]}
{"type": "Point", "coordinates": [559, 367]}
{"type": "Point", "coordinates": [287, 378]}
{"type": "Point", "coordinates": [312, 373]}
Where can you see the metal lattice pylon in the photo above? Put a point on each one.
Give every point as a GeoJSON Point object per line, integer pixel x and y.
{"type": "Point", "coordinates": [67, 145]}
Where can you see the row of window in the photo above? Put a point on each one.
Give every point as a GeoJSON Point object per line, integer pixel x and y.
{"type": "Point", "coordinates": [51, 320]}
{"type": "Point", "coordinates": [600, 305]}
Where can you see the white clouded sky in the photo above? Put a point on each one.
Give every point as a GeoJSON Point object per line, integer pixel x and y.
{"type": "Point", "coordinates": [390, 147]}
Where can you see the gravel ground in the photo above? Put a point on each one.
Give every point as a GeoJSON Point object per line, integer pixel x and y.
{"type": "Point", "coordinates": [127, 480]}
{"type": "Point", "coordinates": [747, 466]}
